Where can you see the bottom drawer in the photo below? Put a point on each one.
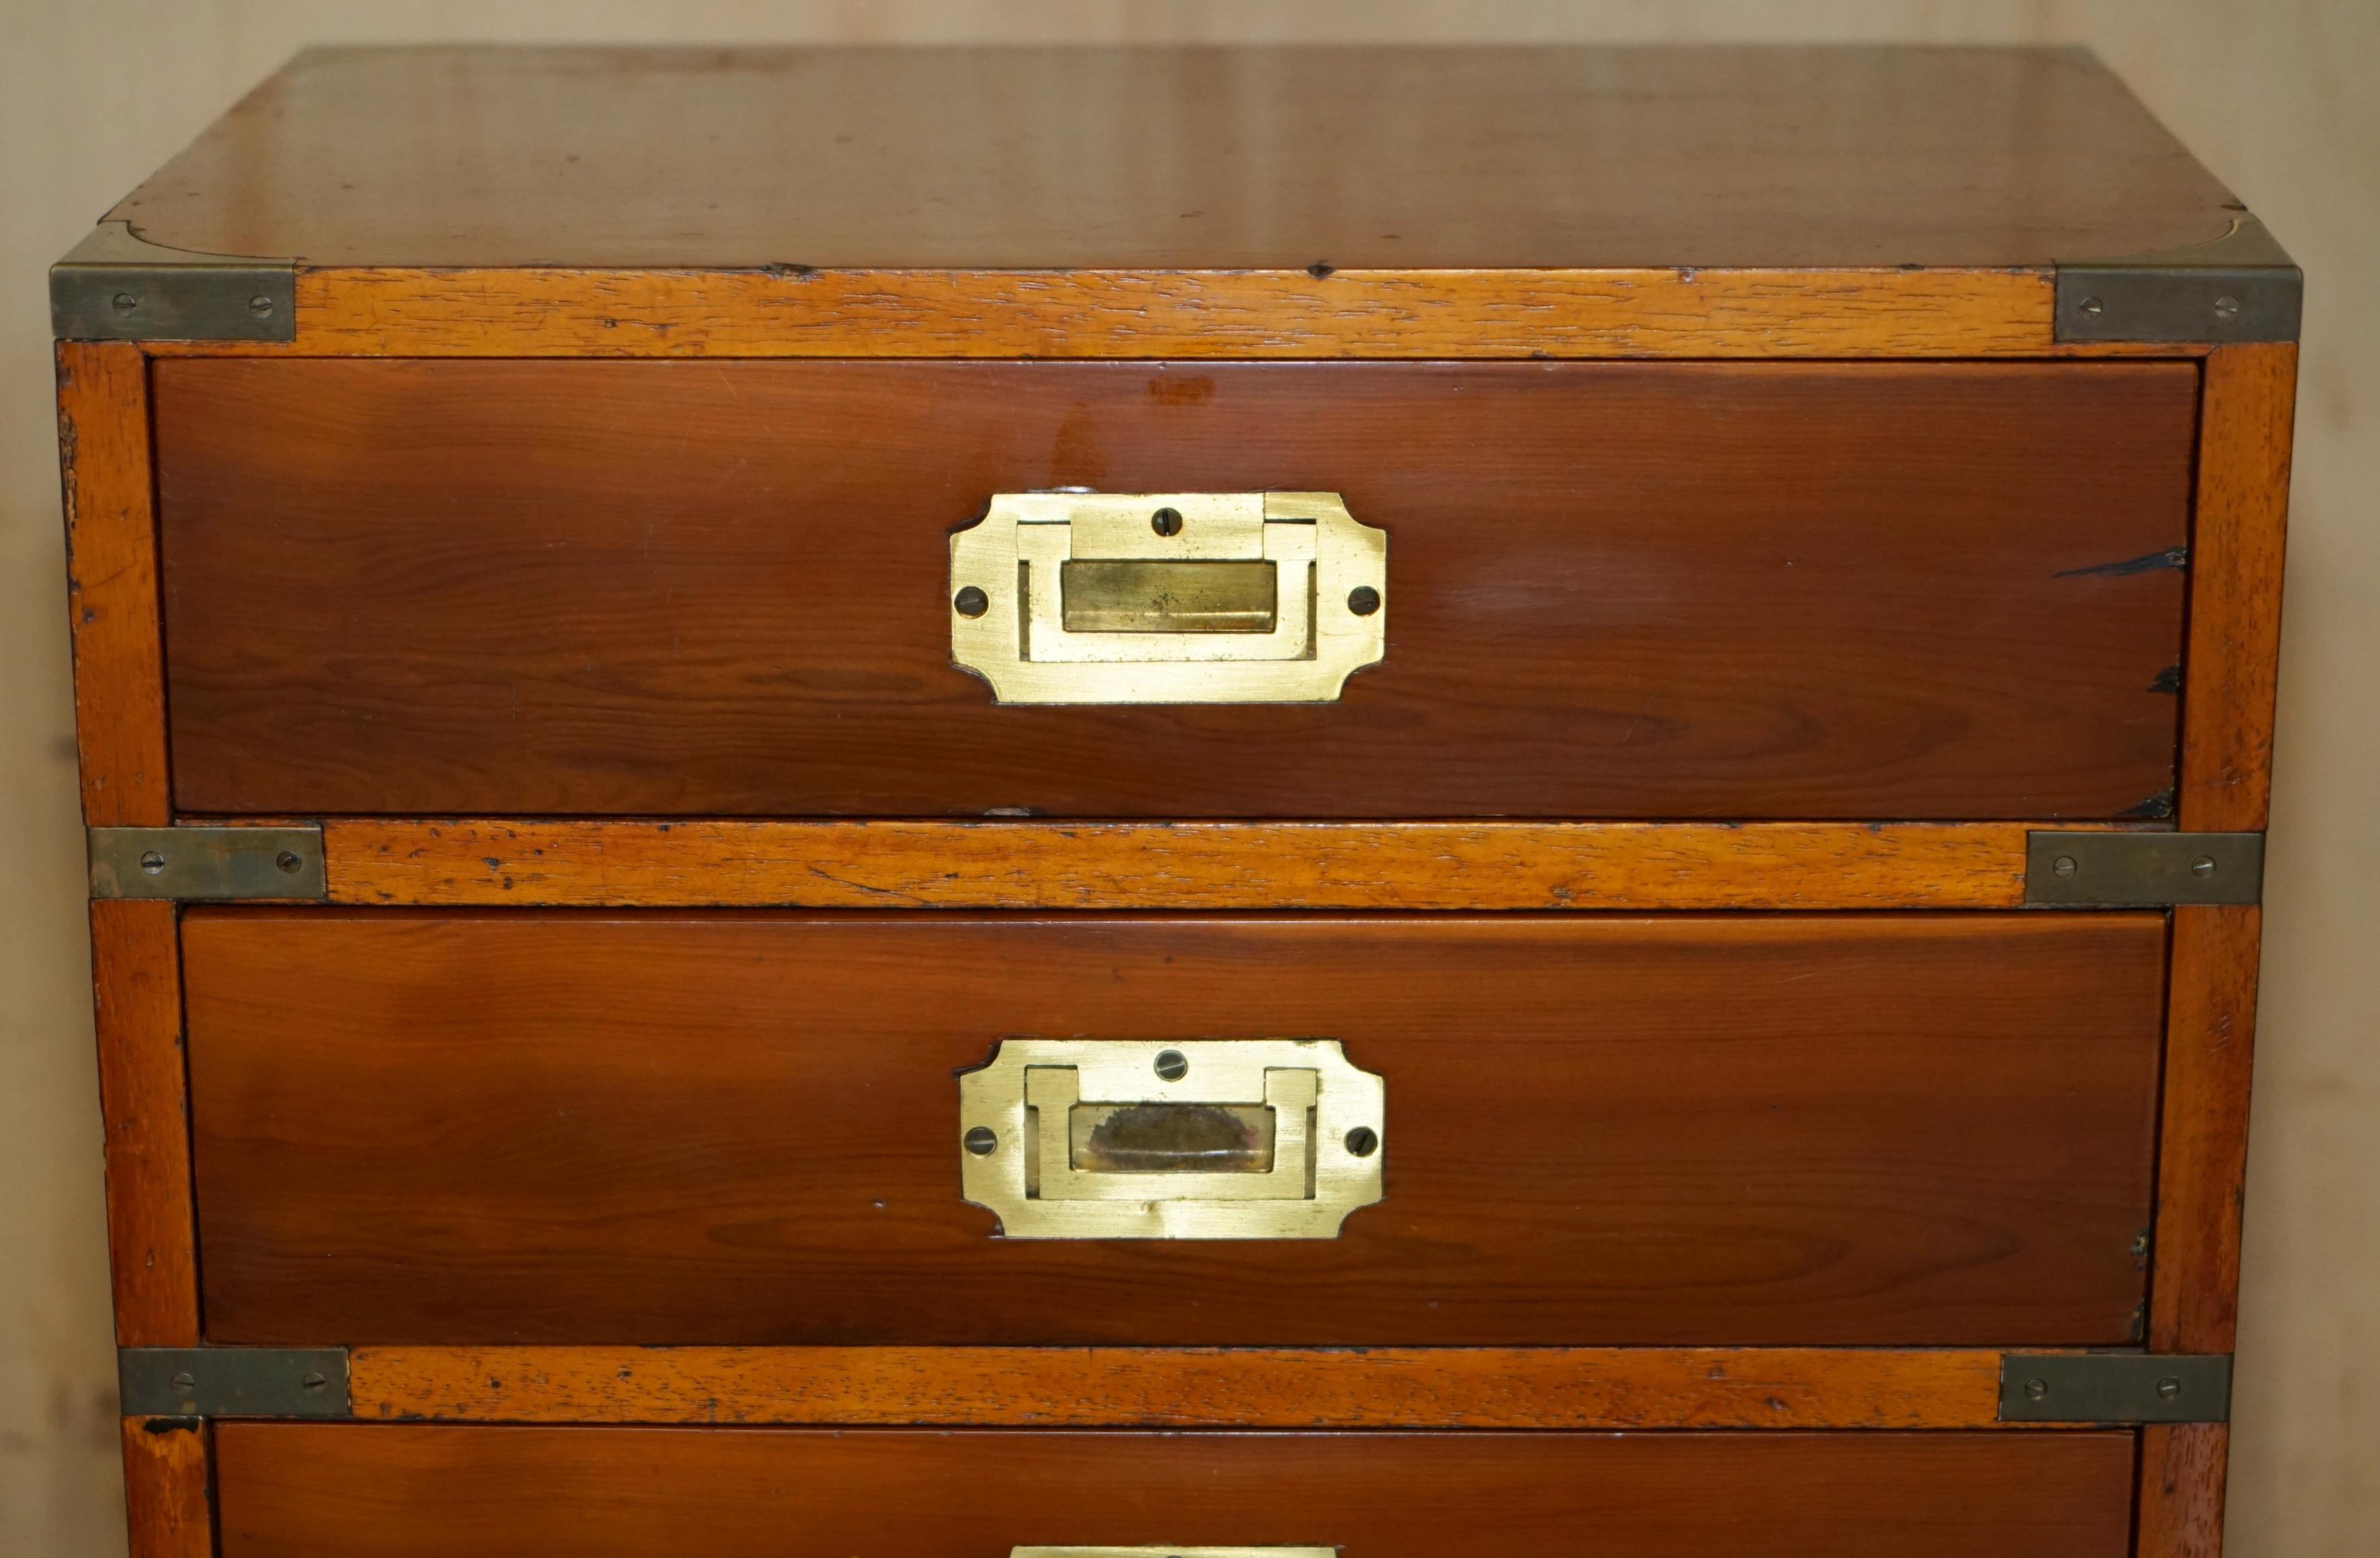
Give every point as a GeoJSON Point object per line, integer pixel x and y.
{"type": "Point", "coordinates": [300, 1490]}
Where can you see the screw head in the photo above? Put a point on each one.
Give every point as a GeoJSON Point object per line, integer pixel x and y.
{"type": "Point", "coordinates": [982, 1141]}
{"type": "Point", "coordinates": [153, 862]}
{"type": "Point", "coordinates": [312, 1382]}
{"type": "Point", "coordinates": [1166, 521]}
{"type": "Point", "coordinates": [1172, 1065]}
{"type": "Point", "coordinates": [2064, 865]}
{"type": "Point", "coordinates": [290, 862]}
{"type": "Point", "coordinates": [185, 1384]}
{"type": "Point", "coordinates": [260, 306]}
{"type": "Point", "coordinates": [2227, 308]}
{"type": "Point", "coordinates": [2034, 1390]}
{"type": "Point", "coordinates": [1362, 1141]}
{"type": "Point", "coordinates": [2167, 1388]}
{"type": "Point", "coordinates": [971, 601]}
{"type": "Point", "coordinates": [1363, 600]}
{"type": "Point", "coordinates": [124, 302]}
{"type": "Point", "coordinates": [2093, 307]}
{"type": "Point", "coordinates": [2203, 866]}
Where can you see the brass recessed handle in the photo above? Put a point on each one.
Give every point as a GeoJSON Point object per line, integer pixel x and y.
{"type": "Point", "coordinates": [1217, 1139]}
{"type": "Point", "coordinates": [1168, 597]}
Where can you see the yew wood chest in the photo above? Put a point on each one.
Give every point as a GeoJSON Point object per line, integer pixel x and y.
{"type": "Point", "coordinates": [1240, 803]}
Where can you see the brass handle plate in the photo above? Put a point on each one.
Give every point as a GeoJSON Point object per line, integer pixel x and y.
{"type": "Point", "coordinates": [1213, 1139]}
{"type": "Point", "coordinates": [1168, 597]}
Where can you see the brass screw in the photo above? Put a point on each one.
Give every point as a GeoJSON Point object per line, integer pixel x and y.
{"type": "Point", "coordinates": [1166, 521]}
{"type": "Point", "coordinates": [153, 862]}
{"type": "Point", "coordinates": [2203, 866]}
{"type": "Point", "coordinates": [2064, 865]}
{"type": "Point", "coordinates": [2169, 1387]}
{"type": "Point", "coordinates": [982, 1141]}
{"type": "Point", "coordinates": [1172, 1065]}
{"type": "Point", "coordinates": [290, 862]}
{"type": "Point", "coordinates": [971, 601]}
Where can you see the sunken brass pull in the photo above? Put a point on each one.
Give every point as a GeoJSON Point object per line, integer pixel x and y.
{"type": "Point", "coordinates": [1168, 597]}
{"type": "Point", "coordinates": [1215, 1138]}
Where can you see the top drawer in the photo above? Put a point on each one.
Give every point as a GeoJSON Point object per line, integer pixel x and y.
{"type": "Point", "coordinates": [1616, 590]}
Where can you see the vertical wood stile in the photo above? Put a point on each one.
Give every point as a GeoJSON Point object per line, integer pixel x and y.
{"type": "Point", "coordinates": [2248, 399]}
{"type": "Point", "coordinates": [112, 582]}
{"type": "Point", "coordinates": [167, 1462]}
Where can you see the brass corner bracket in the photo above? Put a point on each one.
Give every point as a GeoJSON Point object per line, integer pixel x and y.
{"type": "Point", "coordinates": [115, 285]}
{"type": "Point", "coordinates": [2241, 286]}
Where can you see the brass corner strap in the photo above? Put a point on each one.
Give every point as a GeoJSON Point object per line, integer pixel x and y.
{"type": "Point", "coordinates": [2241, 286]}
{"type": "Point", "coordinates": [208, 864]}
{"type": "Point", "coordinates": [2083, 870]}
{"type": "Point", "coordinates": [232, 1382]}
{"type": "Point", "coordinates": [2118, 1388]}
{"type": "Point", "coordinates": [115, 285]}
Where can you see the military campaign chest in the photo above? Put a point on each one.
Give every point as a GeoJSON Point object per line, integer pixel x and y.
{"type": "Point", "coordinates": [1059, 802]}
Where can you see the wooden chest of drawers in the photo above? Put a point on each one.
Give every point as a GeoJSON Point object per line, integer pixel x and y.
{"type": "Point", "coordinates": [1072, 802]}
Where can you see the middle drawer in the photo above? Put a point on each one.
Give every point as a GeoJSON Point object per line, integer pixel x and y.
{"type": "Point", "coordinates": [601, 1128]}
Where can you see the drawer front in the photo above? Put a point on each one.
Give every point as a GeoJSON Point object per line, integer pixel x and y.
{"type": "Point", "coordinates": [584, 1128]}
{"type": "Point", "coordinates": [301, 1490]}
{"type": "Point", "coordinates": [1612, 590]}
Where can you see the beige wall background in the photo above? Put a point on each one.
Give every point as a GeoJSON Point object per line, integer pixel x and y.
{"type": "Point", "coordinates": [2275, 95]}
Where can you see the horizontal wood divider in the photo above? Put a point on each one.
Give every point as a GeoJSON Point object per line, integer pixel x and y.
{"type": "Point", "coordinates": [1379, 1387]}
{"type": "Point", "coordinates": [798, 311]}
{"type": "Point", "coordinates": [1181, 865]}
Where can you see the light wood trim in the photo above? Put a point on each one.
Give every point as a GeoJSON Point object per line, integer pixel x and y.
{"type": "Point", "coordinates": [1669, 312]}
{"type": "Point", "coordinates": [2181, 1490]}
{"type": "Point", "coordinates": [168, 1509]}
{"type": "Point", "coordinates": [1054, 1387]}
{"type": "Point", "coordinates": [1181, 865]}
{"type": "Point", "coordinates": [112, 582]}
{"type": "Point", "coordinates": [2203, 1142]}
{"type": "Point", "coordinates": [2248, 400]}
{"type": "Point", "coordinates": [144, 1103]}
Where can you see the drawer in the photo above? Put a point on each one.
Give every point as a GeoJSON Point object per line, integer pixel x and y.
{"type": "Point", "coordinates": [286, 1490]}
{"type": "Point", "coordinates": [590, 1127]}
{"type": "Point", "coordinates": [1810, 590]}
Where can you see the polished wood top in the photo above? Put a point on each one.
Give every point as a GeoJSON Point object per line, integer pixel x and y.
{"type": "Point", "coordinates": [1194, 159]}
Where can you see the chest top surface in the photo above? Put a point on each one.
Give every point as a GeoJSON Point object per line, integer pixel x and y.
{"type": "Point", "coordinates": [1204, 159]}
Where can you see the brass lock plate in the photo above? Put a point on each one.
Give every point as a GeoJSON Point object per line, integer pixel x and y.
{"type": "Point", "coordinates": [1168, 597]}
{"type": "Point", "coordinates": [1213, 1138]}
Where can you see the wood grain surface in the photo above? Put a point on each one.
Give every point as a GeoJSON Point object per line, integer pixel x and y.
{"type": "Point", "coordinates": [112, 582]}
{"type": "Point", "coordinates": [144, 1104]}
{"type": "Point", "coordinates": [2181, 1490]}
{"type": "Point", "coordinates": [168, 1488]}
{"type": "Point", "coordinates": [559, 1127]}
{"type": "Point", "coordinates": [1616, 590]}
{"type": "Point", "coordinates": [1178, 865]}
{"type": "Point", "coordinates": [2233, 664]}
{"type": "Point", "coordinates": [300, 1490]}
{"type": "Point", "coordinates": [1292, 314]}
{"type": "Point", "coordinates": [1090, 159]}
{"type": "Point", "coordinates": [1245, 1387]}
